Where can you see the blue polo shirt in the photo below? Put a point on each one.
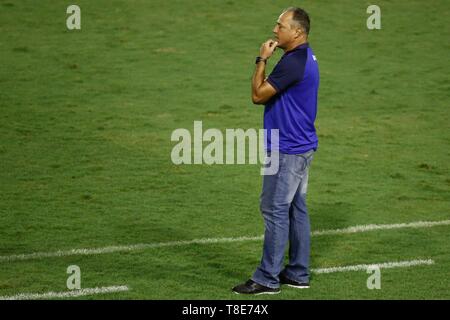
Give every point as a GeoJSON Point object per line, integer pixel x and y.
{"type": "Point", "coordinates": [293, 109]}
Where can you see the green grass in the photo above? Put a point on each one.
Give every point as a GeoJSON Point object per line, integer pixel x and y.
{"type": "Point", "coordinates": [85, 144]}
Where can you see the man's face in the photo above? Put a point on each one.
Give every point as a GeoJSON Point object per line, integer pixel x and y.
{"type": "Point", "coordinates": [284, 32]}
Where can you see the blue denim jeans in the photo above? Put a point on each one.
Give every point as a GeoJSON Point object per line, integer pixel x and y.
{"type": "Point", "coordinates": [283, 206]}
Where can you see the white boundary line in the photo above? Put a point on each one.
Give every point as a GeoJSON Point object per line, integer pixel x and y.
{"type": "Point", "coordinates": [372, 227]}
{"type": "Point", "coordinates": [66, 294]}
{"type": "Point", "coordinates": [384, 265]}
{"type": "Point", "coordinates": [143, 246]}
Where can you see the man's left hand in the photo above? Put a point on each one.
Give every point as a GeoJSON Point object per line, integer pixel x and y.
{"type": "Point", "coordinates": [267, 49]}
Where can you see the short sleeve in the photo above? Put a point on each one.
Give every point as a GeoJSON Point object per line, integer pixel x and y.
{"type": "Point", "coordinates": [288, 71]}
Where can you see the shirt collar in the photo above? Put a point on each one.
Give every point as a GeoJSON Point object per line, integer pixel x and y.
{"type": "Point", "coordinates": [301, 46]}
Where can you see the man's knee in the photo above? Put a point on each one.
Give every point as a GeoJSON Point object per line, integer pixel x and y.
{"type": "Point", "coordinates": [268, 208]}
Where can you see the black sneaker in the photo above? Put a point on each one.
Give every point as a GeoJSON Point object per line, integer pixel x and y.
{"type": "Point", "coordinates": [251, 287]}
{"type": "Point", "coordinates": [292, 283]}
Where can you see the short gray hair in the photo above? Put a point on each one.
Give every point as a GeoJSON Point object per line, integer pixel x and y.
{"type": "Point", "coordinates": [300, 17]}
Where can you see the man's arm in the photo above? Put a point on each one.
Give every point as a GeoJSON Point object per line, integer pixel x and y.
{"type": "Point", "coordinates": [262, 90]}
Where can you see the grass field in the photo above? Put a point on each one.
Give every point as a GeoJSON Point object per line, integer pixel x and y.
{"type": "Point", "coordinates": [86, 120]}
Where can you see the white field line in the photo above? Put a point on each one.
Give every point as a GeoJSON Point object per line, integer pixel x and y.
{"type": "Point", "coordinates": [384, 265]}
{"type": "Point", "coordinates": [66, 294]}
{"type": "Point", "coordinates": [372, 227]}
{"type": "Point", "coordinates": [142, 246]}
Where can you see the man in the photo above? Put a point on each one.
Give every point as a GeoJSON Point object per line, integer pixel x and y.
{"type": "Point", "coordinates": [290, 98]}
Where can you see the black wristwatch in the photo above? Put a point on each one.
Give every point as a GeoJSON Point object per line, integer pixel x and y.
{"type": "Point", "coordinates": [259, 59]}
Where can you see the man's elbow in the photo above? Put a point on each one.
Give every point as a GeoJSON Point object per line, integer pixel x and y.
{"type": "Point", "coordinates": [258, 100]}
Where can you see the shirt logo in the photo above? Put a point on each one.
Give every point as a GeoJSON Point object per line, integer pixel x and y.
{"type": "Point", "coordinates": [314, 57]}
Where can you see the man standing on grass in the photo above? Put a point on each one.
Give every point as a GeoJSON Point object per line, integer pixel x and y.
{"type": "Point", "coordinates": [290, 98]}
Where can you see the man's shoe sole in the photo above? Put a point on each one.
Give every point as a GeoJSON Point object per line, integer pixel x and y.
{"type": "Point", "coordinates": [268, 292]}
{"type": "Point", "coordinates": [257, 294]}
{"type": "Point", "coordinates": [297, 287]}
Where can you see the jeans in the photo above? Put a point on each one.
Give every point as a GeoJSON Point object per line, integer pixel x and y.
{"type": "Point", "coordinates": [283, 206]}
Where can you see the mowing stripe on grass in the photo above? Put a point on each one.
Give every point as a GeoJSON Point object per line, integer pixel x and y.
{"type": "Point", "coordinates": [102, 290]}
{"type": "Point", "coordinates": [66, 294]}
{"type": "Point", "coordinates": [115, 249]}
{"type": "Point", "coordinates": [142, 246]}
{"type": "Point", "coordinates": [384, 265]}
